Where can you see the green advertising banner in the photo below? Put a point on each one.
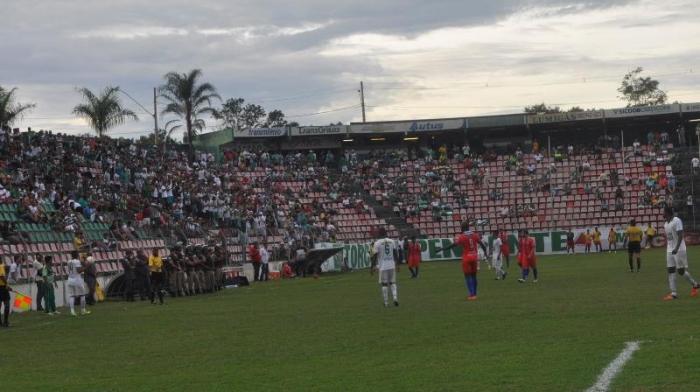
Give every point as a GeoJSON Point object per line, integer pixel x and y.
{"type": "Point", "coordinates": [357, 256]}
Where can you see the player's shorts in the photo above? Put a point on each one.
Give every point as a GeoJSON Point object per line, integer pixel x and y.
{"type": "Point", "coordinates": [528, 263]}
{"type": "Point", "coordinates": [470, 266]}
{"type": "Point", "coordinates": [570, 244]}
{"type": "Point", "coordinates": [497, 261]}
{"type": "Point", "coordinates": [679, 260]}
{"type": "Point", "coordinates": [597, 242]}
{"type": "Point", "coordinates": [76, 288]}
{"type": "Point", "coordinates": [505, 251]}
{"type": "Point", "coordinates": [387, 276]}
{"type": "Point", "coordinates": [634, 247]}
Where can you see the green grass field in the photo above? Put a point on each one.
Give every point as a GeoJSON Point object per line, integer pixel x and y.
{"type": "Point", "coordinates": [334, 334]}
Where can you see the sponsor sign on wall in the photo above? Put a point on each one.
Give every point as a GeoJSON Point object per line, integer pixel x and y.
{"type": "Point", "coordinates": [356, 256]}
{"type": "Point", "coordinates": [497, 121]}
{"type": "Point", "coordinates": [417, 126]}
{"type": "Point", "coordinates": [642, 111]}
{"type": "Point", "coordinates": [690, 107]}
{"type": "Point", "coordinates": [564, 117]}
{"type": "Point", "coordinates": [259, 132]}
{"type": "Point", "coordinates": [317, 131]}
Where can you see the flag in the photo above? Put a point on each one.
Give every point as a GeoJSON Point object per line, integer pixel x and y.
{"type": "Point", "coordinates": [22, 303]}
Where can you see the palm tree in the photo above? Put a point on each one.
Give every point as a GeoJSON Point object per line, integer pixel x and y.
{"type": "Point", "coordinates": [188, 100]}
{"type": "Point", "coordinates": [10, 111]}
{"type": "Point", "coordinates": [104, 111]}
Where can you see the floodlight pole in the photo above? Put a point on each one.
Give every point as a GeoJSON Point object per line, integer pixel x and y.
{"type": "Point", "coordinates": [155, 118]}
{"type": "Point", "coordinates": [362, 100]}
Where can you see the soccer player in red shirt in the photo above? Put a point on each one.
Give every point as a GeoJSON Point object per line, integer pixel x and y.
{"type": "Point", "coordinates": [414, 257]}
{"type": "Point", "coordinates": [526, 256]}
{"type": "Point", "coordinates": [469, 241]}
{"type": "Point", "coordinates": [505, 247]}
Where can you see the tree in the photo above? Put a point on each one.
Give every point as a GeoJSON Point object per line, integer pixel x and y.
{"type": "Point", "coordinates": [293, 124]}
{"type": "Point", "coordinates": [641, 91]}
{"type": "Point", "coordinates": [189, 100]}
{"type": "Point", "coordinates": [275, 119]}
{"type": "Point", "coordinates": [576, 109]}
{"type": "Point", "coordinates": [542, 108]}
{"type": "Point", "coordinates": [231, 112]}
{"type": "Point", "coordinates": [11, 111]}
{"type": "Point", "coordinates": [253, 116]}
{"type": "Point", "coordinates": [104, 111]}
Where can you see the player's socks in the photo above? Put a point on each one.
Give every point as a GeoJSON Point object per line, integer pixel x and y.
{"type": "Point", "coordinates": [631, 264]}
{"type": "Point", "coordinates": [385, 294]}
{"type": "Point", "coordinates": [526, 272]}
{"type": "Point", "coordinates": [416, 271]}
{"type": "Point", "coordinates": [672, 283]}
{"type": "Point", "coordinates": [690, 279]}
{"type": "Point", "coordinates": [71, 304]}
{"type": "Point", "coordinates": [639, 264]}
{"type": "Point", "coordinates": [474, 284]}
{"type": "Point", "coordinates": [534, 273]}
{"type": "Point", "coordinates": [395, 292]}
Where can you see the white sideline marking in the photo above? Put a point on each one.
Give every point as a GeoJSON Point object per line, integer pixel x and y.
{"type": "Point", "coordinates": [614, 368]}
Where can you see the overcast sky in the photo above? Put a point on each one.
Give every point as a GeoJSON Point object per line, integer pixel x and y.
{"type": "Point", "coordinates": [418, 59]}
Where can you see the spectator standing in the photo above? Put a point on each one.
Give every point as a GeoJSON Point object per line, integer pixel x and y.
{"type": "Point", "coordinates": [49, 282]}
{"type": "Point", "coordinates": [265, 260]}
{"type": "Point", "coordinates": [90, 275]}
{"type": "Point", "coordinates": [695, 162]}
{"type": "Point", "coordinates": [128, 265]}
{"type": "Point", "coordinates": [254, 256]}
{"type": "Point", "coordinates": [40, 286]}
{"type": "Point", "coordinates": [689, 204]}
{"type": "Point", "coordinates": [4, 297]}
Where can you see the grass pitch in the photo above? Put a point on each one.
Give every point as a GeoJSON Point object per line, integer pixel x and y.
{"type": "Point", "coordinates": [334, 334]}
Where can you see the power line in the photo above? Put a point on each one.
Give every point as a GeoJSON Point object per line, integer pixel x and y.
{"type": "Point", "coordinates": [324, 112]}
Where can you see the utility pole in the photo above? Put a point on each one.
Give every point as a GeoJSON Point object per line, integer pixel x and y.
{"type": "Point", "coordinates": [155, 118]}
{"type": "Point", "coordinates": [362, 100]}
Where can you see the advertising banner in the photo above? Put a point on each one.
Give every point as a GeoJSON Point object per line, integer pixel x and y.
{"type": "Point", "coordinates": [357, 256]}
{"type": "Point", "coordinates": [690, 107]}
{"type": "Point", "coordinates": [642, 111]}
{"type": "Point", "coordinates": [416, 126]}
{"type": "Point", "coordinates": [564, 117]}
{"type": "Point", "coordinates": [497, 121]}
{"type": "Point", "coordinates": [259, 132]}
{"type": "Point", "coordinates": [319, 131]}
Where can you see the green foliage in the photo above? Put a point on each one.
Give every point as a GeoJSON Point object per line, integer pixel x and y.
{"type": "Point", "coordinates": [638, 90]}
{"type": "Point", "coordinates": [11, 111]}
{"type": "Point", "coordinates": [334, 334]}
{"type": "Point", "coordinates": [541, 108]}
{"type": "Point", "coordinates": [104, 111]}
{"type": "Point", "coordinates": [189, 100]}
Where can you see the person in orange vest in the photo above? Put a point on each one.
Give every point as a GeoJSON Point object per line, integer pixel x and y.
{"type": "Point", "coordinates": [414, 257]}
{"type": "Point", "coordinates": [255, 258]}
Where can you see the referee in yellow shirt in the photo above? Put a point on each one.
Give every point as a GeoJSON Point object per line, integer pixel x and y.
{"type": "Point", "coordinates": [633, 238]}
{"type": "Point", "coordinates": [155, 268]}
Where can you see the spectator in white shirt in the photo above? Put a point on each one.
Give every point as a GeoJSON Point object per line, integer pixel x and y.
{"type": "Point", "coordinates": [696, 164]}
{"type": "Point", "coordinates": [265, 260]}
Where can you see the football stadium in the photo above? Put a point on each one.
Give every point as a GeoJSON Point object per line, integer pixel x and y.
{"type": "Point", "coordinates": [225, 248]}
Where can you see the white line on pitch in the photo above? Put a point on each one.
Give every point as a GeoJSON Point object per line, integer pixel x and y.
{"type": "Point", "coordinates": [614, 368]}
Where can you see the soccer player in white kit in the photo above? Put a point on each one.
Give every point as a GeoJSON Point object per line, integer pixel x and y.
{"type": "Point", "coordinates": [497, 257]}
{"type": "Point", "coordinates": [676, 255]}
{"type": "Point", "coordinates": [76, 285]}
{"type": "Point", "coordinates": [385, 249]}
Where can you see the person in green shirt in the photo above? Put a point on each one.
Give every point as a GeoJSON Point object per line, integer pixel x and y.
{"type": "Point", "coordinates": [49, 285]}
